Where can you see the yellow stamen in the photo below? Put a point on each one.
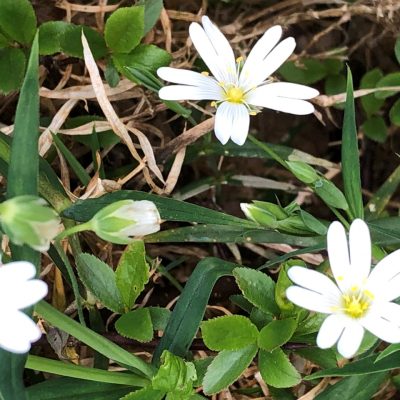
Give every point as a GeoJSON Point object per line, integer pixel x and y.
{"type": "Point", "coordinates": [213, 104]}
{"type": "Point", "coordinates": [340, 278]}
{"type": "Point", "coordinates": [205, 73]}
{"type": "Point", "coordinates": [239, 59]}
{"type": "Point", "coordinates": [252, 113]}
{"type": "Point", "coordinates": [356, 304]}
{"type": "Point", "coordinates": [235, 95]}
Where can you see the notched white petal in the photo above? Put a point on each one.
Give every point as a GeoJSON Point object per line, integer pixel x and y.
{"type": "Point", "coordinates": [360, 248]}
{"type": "Point", "coordinates": [182, 92]}
{"type": "Point", "coordinates": [290, 106]}
{"type": "Point", "coordinates": [310, 300]}
{"type": "Point", "coordinates": [287, 90]}
{"type": "Point", "coordinates": [350, 340]}
{"type": "Point", "coordinates": [330, 331]}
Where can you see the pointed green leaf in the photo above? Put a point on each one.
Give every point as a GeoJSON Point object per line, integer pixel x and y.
{"type": "Point", "coordinates": [226, 367]}
{"type": "Point", "coordinates": [350, 155]}
{"type": "Point", "coordinates": [136, 325]}
{"type": "Point", "coordinates": [159, 317]}
{"type": "Point", "coordinates": [230, 332]}
{"type": "Point", "coordinates": [276, 333]}
{"type": "Point", "coordinates": [152, 11]}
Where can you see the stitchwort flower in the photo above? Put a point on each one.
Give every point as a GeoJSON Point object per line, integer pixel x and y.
{"type": "Point", "coordinates": [361, 299]}
{"type": "Point", "coordinates": [17, 291]}
{"type": "Point", "coordinates": [239, 88]}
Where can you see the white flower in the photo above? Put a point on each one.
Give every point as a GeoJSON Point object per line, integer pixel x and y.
{"type": "Point", "coordinates": [120, 221]}
{"type": "Point", "coordinates": [17, 291]}
{"type": "Point", "coordinates": [238, 88]}
{"type": "Point", "coordinates": [361, 299]}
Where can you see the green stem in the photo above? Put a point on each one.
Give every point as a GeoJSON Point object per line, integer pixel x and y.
{"type": "Point", "coordinates": [269, 151]}
{"type": "Point", "coordinates": [339, 217]}
{"type": "Point", "coordinates": [74, 283]}
{"type": "Point", "coordinates": [74, 229]}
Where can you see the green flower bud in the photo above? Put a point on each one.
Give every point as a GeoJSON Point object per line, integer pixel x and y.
{"type": "Point", "coordinates": [119, 222]}
{"type": "Point", "coordinates": [272, 208]}
{"type": "Point", "coordinates": [293, 225]}
{"type": "Point", "coordinates": [29, 220]}
{"type": "Point", "coordinates": [259, 215]}
{"type": "Point", "coordinates": [302, 171]}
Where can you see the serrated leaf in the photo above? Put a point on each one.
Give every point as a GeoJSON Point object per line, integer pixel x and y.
{"type": "Point", "coordinates": [147, 393]}
{"type": "Point", "coordinates": [175, 376]}
{"type": "Point", "coordinates": [369, 102]}
{"type": "Point", "coordinates": [276, 333]}
{"type": "Point", "coordinates": [12, 68]}
{"type": "Point", "coordinates": [132, 272]}
{"type": "Point", "coordinates": [18, 20]}
{"type": "Point", "coordinates": [350, 155]}
{"type": "Point", "coordinates": [230, 332]}
{"type": "Point", "coordinates": [276, 369]}
{"type": "Point", "coordinates": [375, 128]}
{"type": "Point", "coordinates": [258, 288]}
{"type": "Point", "coordinates": [99, 278]}
{"type": "Point", "coordinates": [136, 325]}
{"type": "Point", "coordinates": [49, 36]}
{"type": "Point", "coordinates": [159, 317]}
{"type": "Point", "coordinates": [392, 79]}
{"type": "Point", "coordinates": [124, 29]}
{"type": "Point", "coordinates": [71, 44]}
{"type": "Point", "coordinates": [226, 367]}
{"type": "Point", "coordinates": [152, 11]}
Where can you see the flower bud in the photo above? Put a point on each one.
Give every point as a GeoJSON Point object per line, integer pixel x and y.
{"type": "Point", "coordinates": [303, 171]}
{"type": "Point", "coordinates": [29, 220]}
{"type": "Point", "coordinates": [119, 222]}
{"type": "Point", "coordinates": [259, 215]}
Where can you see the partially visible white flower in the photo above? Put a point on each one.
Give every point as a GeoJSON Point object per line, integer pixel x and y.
{"type": "Point", "coordinates": [17, 291]}
{"type": "Point", "coordinates": [361, 299]}
{"type": "Point", "coordinates": [29, 220]}
{"type": "Point", "coordinates": [119, 222]}
{"type": "Point", "coordinates": [239, 88]}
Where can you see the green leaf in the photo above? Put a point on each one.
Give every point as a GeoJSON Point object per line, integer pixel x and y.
{"type": "Point", "coordinates": [76, 371]}
{"type": "Point", "coordinates": [258, 288]}
{"type": "Point", "coordinates": [397, 49]}
{"type": "Point", "coordinates": [310, 71]}
{"type": "Point", "coordinates": [276, 333]}
{"type": "Point", "coordinates": [276, 369]}
{"type": "Point", "coordinates": [354, 388]}
{"type": "Point", "coordinates": [170, 209]}
{"type": "Point", "coordinates": [12, 68]}
{"type": "Point", "coordinates": [132, 273]}
{"type": "Point", "coordinates": [375, 128]}
{"type": "Point", "coordinates": [325, 358]}
{"type": "Point", "coordinates": [230, 332]}
{"type": "Point", "coordinates": [71, 44]}
{"type": "Point", "coordinates": [302, 171]}
{"type": "Point", "coordinates": [152, 11]}
{"type": "Point", "coordinates": [189, 310]}
{"type": "Point", "coordinates": [392, 79]}
{"type": "Point", "coordinates": [175, 376]}
{"type": "Point", "coordinates": [147, 393]}
{"type": "Point", "coordinates": [350, 155]}
{"type": "Point", "coordinates": [49, 36]}
{"type": "Point", "coordinates": [111, 74]}
{"type": "Point", "coordinates": [226, 367]}
{"type": "Point", "coordinates": [99, 278]}
{"type": "Point", "coordinates": [136, 325]}
{"type": "Point", "coordinates": [143, 56]}
{"type": "Point", "coordinates": [78, 389]}
{"type": "Point", "coordinates": [394, 113]}
{"type": "Point", "coordinates": [17, 20]}
{"type": "Point", "coordinates": [124, 29]}
{"type": "Point", "coordinates": [367, 365]}
{"type": "Point", "coordinates": [369, 102]}
{"type": "Point", "coordinates": [335, 84]}
{"type": "Point", "coordinates": [159, 317]}
{"type": "Point", "coordinates": [330, 194]}
{"type": "Point", "coordinates": [92, 339]}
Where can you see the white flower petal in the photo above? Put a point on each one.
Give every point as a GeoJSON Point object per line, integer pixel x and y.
{"type": "Point", "coordinates": [291, 106]}
{"type": "Point", "coordinates": [18, 332]}
{"type": "Point", "coordinates": [350, 339]}
{"type": "Point", "coordinates": [231, 121]}
{"type": "Point", "coordinates": [381, 328]}
{"type": "Point", "coordinates": [139, 230]}
{"type": "Point", "coordinates": [186, 77]}
{"type": "Point", "coordinates": [286, 90]}
{"type": "Point", "coordinates": [25, 294]}
{"type": "Point", "coordinates": [259, 72]}
{"type": "Point", "coordinates": [182, 92]}
{"type": "Point", "coordinates": [330, 331]}
{"type": "Point", "coordinates": [388, 311]}
{"type": "Point", "coordinates": [260, 50]}
{"type": "Point", "coordinates": [360, 249]}
{"type": "Point", "coordinates": [17, 271]}
{"type": "Point", "coordinates": [314, 281]}
{"type": "Point", "coordinates": [219, 68]}
{"type": "Point", "coordinates": [310, 300]}
{"type": "Point", "coordinates": [338, 253]}
{"type": "Point", "coordinates": [221, 46]}
{"type": "Point", "coordinates": [385, 274]}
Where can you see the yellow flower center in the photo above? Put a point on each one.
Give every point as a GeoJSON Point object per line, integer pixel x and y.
{"type": "Point", "coordinates": [356, 303]}
{"type": "Point", "coordinates": [234, 95]}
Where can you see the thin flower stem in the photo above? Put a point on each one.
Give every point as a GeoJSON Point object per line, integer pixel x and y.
{"type": "Point", "coordinates": [268, 150]}
{"type": "Point", "coordinates": [339, 217]}
{"type": "Point", "coordinates": [74, 283]}
{"type": "Point", "coordinates": [72, 230]}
